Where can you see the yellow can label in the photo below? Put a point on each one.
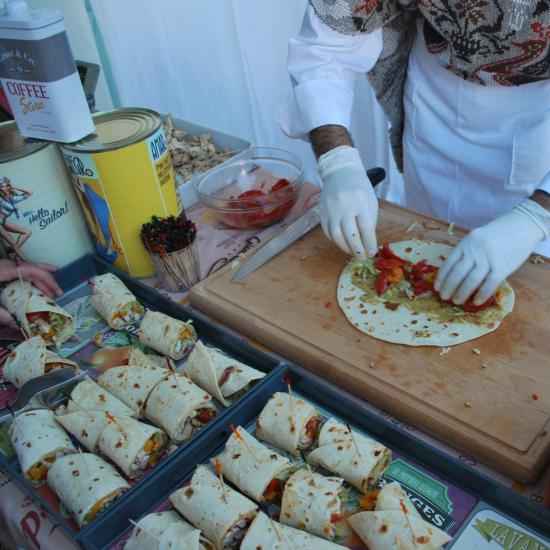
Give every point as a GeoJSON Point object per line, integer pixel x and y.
{"type": "Point", "coordinates": [119, 191]}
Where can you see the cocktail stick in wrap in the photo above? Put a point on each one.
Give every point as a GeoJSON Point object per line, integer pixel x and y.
{"type": "Point", "coordinates": [288, 425]}
{"type": "Point", "coordinates": [268, 534]}
{"type": "Point", "coordinates": [256, 470]}
{"type": "Point", "coordinates": [37, 314]}
{"type": "Point", "coordinates": [132, 384]}
{"type": "Point", "coordinates": [360, 460]}
{"type": "Point", "coordinates": [90, 396]}
{"type": "Point", "coordinates": [220, 375]}
{"type": "Point", "coordinates": [395, 523]}
{"type": "Point", "coordinates": [222, 515]}
{"type": "Point", "coordinates": [86, 485]}
{"type": "Point", "coordinates": [179, 407]}
{"type": "Point", "coordinates": [132, 445]}
{"type": "Point", "coordinates": [166, 335]}
{"type": "Point", "coordinates": [312, 502]}
{"type": "Point", "coordinates": [38, 441]}
{"type": "Point", "coordinates": [165, 531]}
{"type": "Point", "coordinates": [31, 359]}
{"type": "Point", "coordinates": [114, 302]}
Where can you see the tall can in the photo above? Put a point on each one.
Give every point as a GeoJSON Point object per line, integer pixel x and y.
{"type": "Point", "coordinates": [123, 175]}
{"type": "Point", "coordinates": [39, 76]}
{"type": "Point", "coordinates": [40, 216]}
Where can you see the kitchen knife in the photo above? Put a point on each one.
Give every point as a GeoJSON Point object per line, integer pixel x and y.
{"type": "Point", "coordinates": [292, 233]}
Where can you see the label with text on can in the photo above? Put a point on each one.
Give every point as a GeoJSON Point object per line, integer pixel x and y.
{"type": "Point", "coordinates": [123, 175]}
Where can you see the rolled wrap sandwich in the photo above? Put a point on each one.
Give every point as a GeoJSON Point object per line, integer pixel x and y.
{"type": "Point", "coordinates": [31, 359]}
{"type": "Point", "coordinates": [90, 396]}
{"type": "Point", "coordinates": [395, 523]}
{"type": "Point", "coordinates": [86, 485]}
{"type": "Point", "coordinates": [256, 470]}
{"type": "Point", "coordinates": [166, 531]}
{"type": "Point", "coordinates": [166, 335]}
{"type": "Point", "coordinates": [137, 357]}
{"type": "Point", "coordinates": [267, 534]}
{"type": "Point", "coordinates": [85, 425]}
{"type": "Point", "coordinates": [37, 314]}
{"type": "Point", "coordinates": [38, 442]}
{"type": "Point", "coordinates": [312, 502]}
{"type": "Point", "coordinates": [114, 302]}
{"type": "Point", "coordinates": [222, 517]}
{"type": "Point", "coordinates": [289, 426]}
{"type": "Point", "coordinates": [360, 460]}
{"type": "Point", "coordinates": [220, 375]}
{"type": "Point", "coordinates": [132, 445]}
{"type": "Point", "coordinates": [132, 384]}
{"type": "Point", "coordinates": [179, 407]}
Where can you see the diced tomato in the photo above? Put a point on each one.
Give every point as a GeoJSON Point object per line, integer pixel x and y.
{"type": "Point", "coordinates": [470, 307]}
{"type": "Point", "coordinates": [206, 415]}
{"type": "Point", "coordinates": [387, 253]}
{"type": "Point", "coordinates": [225, 376]}
{"type": "Point", "coordinates": [251, 193]}
{"type": "Point", "coordinates": [335, 518]}
{"type": "Point", "coordinates": [383, 264]}
{"type": "Point", "coordinates": [312, 427]}
{"type": "Point", "coordinates": [274, 490]}
{"type": "Point", "coordinates": [32, 317]}
{"type": "Point", "coordinates": [279, 184]}
{"type": "Point", "coordinates": [382, 282]}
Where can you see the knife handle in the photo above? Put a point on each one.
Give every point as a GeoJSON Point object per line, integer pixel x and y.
{"type": "Point", "coordinates": [376, 175]}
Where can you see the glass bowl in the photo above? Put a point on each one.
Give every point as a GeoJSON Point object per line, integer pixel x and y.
{"type": "Point", "coordinates": [254, 189]}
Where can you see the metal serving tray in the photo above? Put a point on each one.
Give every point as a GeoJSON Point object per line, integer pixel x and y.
{"type": "Point", "coordinates": [70, 279]}
{"type": "Point", "coordinates": [447, 492]}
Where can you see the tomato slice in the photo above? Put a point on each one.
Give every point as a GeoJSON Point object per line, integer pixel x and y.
{"type": "Point", "coordinates": [32, 317]}
{"type": "Point", "coordinates": [206, 415]}
{"type": "Point", "coordinates": [251, 193]}
{"type": "Point", "coordinates": [335, 518]}
{"type": "Point", "coordinates": [279, 184]}
{"type": "Point", "coordinates": [470, 307]}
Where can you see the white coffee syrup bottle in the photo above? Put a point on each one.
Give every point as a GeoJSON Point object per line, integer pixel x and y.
{"type": "Point", "coordinates": [39, 76]}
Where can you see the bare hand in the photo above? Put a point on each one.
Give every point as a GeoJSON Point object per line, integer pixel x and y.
{"type": "Point", "coordinates": [40, 275]}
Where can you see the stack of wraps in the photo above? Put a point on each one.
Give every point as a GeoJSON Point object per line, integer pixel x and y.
{"type": "Point", "coordinates": [86, 485]}
{"type": "Point", "coordinates": [395, 523]}
{"type": "Point", "coordinates": [37, 314]}
{"type": "Point", "coordinates": [267, 534]}
{"type": "Point", "coordinates": [361, 461]}
{"type": "Point", "coordinates": [292, 426]}
{"type": "Point", "coordinates": [220, 375]}
{"type": "Point", "coordinates": [179, 406]}
{"type": "Point", "coordinates": [38, 441]}
{"type": "Point", "coordinates": [166, 335]}
{"type": "Point", "coordinates": [114, 302]}
{"type": "Point", "coordinates": [251, 466]}
{"type": "Point", "coordinates": [312, 502]}
{"type": "Point", "coordinates": [31, 359]}
{"type": "Point", "coordinates": [165, 530]}
{"type": "Point", "coordinates": [132, 384]}
{"type": "Point", "coordinates": [222, 515]}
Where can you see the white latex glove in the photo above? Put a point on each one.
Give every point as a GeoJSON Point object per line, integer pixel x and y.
{"type": "Point", "coordinates": [488, 254]}
{"type": "Point", "coordinates": [349, 207]}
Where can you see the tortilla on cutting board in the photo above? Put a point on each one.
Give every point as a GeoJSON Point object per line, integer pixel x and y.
{"type": "Point", "coordinates": [397, 317]}
{"type": "Point", "coordinates": [31, 359]}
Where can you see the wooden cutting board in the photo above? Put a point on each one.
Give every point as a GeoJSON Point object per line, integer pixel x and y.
{"type": "Point", "coordinates": [494, 405]}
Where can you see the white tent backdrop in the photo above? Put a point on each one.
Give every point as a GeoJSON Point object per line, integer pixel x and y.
{"type": "Point", "coordinates": [222, 64]}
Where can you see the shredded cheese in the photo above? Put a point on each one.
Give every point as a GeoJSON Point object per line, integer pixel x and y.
{"type": "Point", "coordinates": [444, 351]}
{"type": "Point", "coordinates": [476, 351]}
{"type": "Point", "coordinates": [467, 404]}
{"type": "Point", "coordinates": [412, 227]}
{"type": "Point", "coordinates": [450, 229]}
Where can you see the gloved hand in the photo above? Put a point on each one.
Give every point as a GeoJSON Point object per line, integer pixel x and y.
{"type": "Point", "coordinates": [348, 205]}
{"type": "Point", "coordinates": [488, 254]}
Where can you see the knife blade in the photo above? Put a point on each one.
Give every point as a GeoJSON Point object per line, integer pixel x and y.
{"type": "Point", "coordinates": [292, 233]}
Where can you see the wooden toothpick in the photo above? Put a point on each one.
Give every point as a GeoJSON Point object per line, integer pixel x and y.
{"type": "Point", "coordinates": [111, 418]}
{"type": "Point", "coordinates": [84, 461]}
{"type": "Point", "coordinates": [173, 371]}
{"type": "Point", "coordinates": [287, 382]}
{"type": "Point", "coordinates": [94, 285]}
{"type": "Point", "coordinates": [353, 439]}
{"type": "Point", "coordinates": [143, 529]}
{"type": "Point", "coordinates": [241, 439]}
{"type": "Point", "coordinates": [16, 262]}
{"type": "Point", "coordinates": [220, 475]}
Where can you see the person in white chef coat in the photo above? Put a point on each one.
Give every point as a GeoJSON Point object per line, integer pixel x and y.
{"type": "Point", "coordinates": [466, 88]}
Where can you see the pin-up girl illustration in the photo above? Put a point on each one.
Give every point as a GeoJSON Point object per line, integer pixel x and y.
{"type": "Point", "coordinates": [9, 197]}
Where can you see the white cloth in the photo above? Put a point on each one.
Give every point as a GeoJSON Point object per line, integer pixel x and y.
{"type": "Point", "coordinates": [471, 152]}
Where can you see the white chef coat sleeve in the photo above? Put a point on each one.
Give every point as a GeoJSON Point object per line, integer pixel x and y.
{"type": "Point", "coordinates": [323, 65]}
{"type": "Point", "coordinates": [545, 183]}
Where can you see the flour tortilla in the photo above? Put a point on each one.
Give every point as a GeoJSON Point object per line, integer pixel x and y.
{"type": "Point", "coordinates": [282, 423]}
{"type": "Point", "coordinates": [206, 366]}
{"type": "Point", "coordinates": [337, 452]}
{"type": "Point", "coordinates": [165, 531]}
{"type": "Point", "coordinates": [132, 384]}
{"type": "Point", "coordinates": [90, 396]}
{"type": "Point", "coordinates": [122, 440]}
{"type": "Point", "coordinates": [400, 326]}
{"type": "Point", "coordinates": [203, 503]}
{"type": "Point", "coordinates": [30, 359]}
{"type": "Point", "coordinates": [137, 357]}
{"type": "Point", "coordinates": [166, 335]}
{"type": "Point", "coordinates": [268, 534]}
{"type": "Point", "coordinates": [251, 473]}
{"type": "Point", "coordinates": [84, 482]}
{"type": "Point", "coordinates": [388, 527]}
{"type": "Point", "coordinates": [173, 403]}
{"type": "Point", "coordinates": [35, 437]}
{"type": "Point", "coordinates": [309, 501]}
{"type": "Point", "coordinates": [85, 426]}
{"type": "Point", "coordinates": [21, 298]}
{"type": "Point", "coordinates": [111, 297]}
